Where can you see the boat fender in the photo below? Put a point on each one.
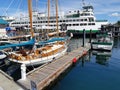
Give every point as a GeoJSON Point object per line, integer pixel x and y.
{"type": "Point", "coordinates": [74, 60]}
{"type": "Point", "coordinates": [84, 52]}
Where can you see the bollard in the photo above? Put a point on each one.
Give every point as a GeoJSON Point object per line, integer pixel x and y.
{"type": "Point", "coordinates": [23, 72]}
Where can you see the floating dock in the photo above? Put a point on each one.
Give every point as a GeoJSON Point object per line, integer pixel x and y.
{"type": "Point", "coordinates": [7, 83]}
{"type": "Point", "coordinates": [41, 77]}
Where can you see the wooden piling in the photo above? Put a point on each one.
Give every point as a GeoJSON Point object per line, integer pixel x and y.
{"type": "Point", "coordinates": [90, 36]}
{"type": "Point", "coordinates": [84, 37]}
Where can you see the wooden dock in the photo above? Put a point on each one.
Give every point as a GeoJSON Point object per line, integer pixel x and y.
{"type": "Point", "coordinates": [43, 76]}
{"type": "Point", "coordinates": [7, 82]}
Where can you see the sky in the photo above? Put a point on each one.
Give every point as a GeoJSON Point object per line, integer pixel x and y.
{"type": "Point", "coordinates": [103, 9]}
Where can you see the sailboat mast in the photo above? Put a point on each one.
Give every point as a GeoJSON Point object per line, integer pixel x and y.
{"type": "Point", "coordinates": [48, 15]}
{"type": "Point", "coordinates": [30, 16]}
{"type": "Point", "coordinates": [57, 17]}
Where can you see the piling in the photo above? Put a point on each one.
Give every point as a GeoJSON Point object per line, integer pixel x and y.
{"type": "Point", "coordinates": [90, 35]}
{"type": "Point", "coordinates": [84, 36]}
{"type": "Point", "coordinates": [23, 72]}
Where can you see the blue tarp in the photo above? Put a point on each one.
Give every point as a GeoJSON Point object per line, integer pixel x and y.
{"type": "Point", "coordinates": [31, 42]}
{"type": "Point", "coordinates": [8, 28]}
{"type": "Point", "coordinates": [52, 40]}
{"type": "Point", "coordinates": [3, 21]}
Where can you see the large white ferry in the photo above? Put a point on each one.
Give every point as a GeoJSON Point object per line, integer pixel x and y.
{"type": "Point", "coordinates": [74, 21]}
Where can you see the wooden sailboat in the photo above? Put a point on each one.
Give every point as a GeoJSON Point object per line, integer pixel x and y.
{"type": "Point", "coordinates": [47, 53]}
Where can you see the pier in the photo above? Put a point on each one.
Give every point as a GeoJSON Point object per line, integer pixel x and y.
{"type": "Point", "coordinates": [41, 77]}
{"type": "Point", "coordinates": [7, 83]}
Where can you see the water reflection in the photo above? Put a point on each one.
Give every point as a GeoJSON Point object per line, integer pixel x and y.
{"type": "Point", "coordinates": [102, 57]}
{"type": "Point", "coordinates": [83, 61]}
{"type": "Point", "coordinates": [12, 69]}
{"type": "Point", "coordinates": [116, 42]}
{"type": "Point", "coordinates": [86, 58]}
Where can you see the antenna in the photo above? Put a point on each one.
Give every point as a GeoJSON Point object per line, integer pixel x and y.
{"type": "Point", "coordinates": [83, 2]}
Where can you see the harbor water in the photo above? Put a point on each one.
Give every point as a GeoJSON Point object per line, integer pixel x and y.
{"type": "Point", "coordinates": [93, 72]}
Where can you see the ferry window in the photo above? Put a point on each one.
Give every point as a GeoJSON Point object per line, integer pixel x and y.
{"type": "Point", "coordinates": [66, 20]}
{"type": "Point", "coordinates": [74, 24]}
{"type": "Point", "coordinates": [54, 21]}
{"type": "Point", "coordinates": [85, 19]}
{"type": "Point", "coordinates": [89, 24]}
{"type": "Point", "coordinates": [70, 20]}
{"type": "Point", "coordinates": [81, 14]}
{"type": "Point", "coordinates": [81, 20]}
{"type": "Point", "coordinates": [81, 24]}
{"type": "Point", "coordinates": [93, 23]}
{"type": "Point", "coordinates": [91, 19]}
{"type": "Point", "coordinates": [73, 20]}
{"type": "Point", "coordinates": [77, 24]}
{"type": "Point", "coordinates": [85, 24]}
{"type": "Point", "coordinates": [63, 20]}
{"type": "Point", "coordinates": [91, 14]}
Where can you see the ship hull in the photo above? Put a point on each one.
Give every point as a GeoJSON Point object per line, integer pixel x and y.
{"type": "Point", "coordinates": [80, 32]}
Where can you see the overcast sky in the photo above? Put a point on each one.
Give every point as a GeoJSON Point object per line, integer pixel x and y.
{"type": "Point", "coordinates": [103, 9]}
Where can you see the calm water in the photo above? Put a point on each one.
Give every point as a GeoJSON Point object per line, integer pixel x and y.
{"type": "Point", "coordinates": [90, 73]}
{"type": "Point", "coordinates": [93, 72]}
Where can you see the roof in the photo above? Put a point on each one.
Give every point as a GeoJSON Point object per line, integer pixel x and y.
{"type": "Point", "coordinates": [3, 21]}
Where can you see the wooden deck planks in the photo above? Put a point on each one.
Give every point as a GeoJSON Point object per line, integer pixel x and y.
{"type": "Point", "coordinates": [43, 76]}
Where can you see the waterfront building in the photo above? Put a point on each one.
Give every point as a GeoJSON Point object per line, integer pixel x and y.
{"type": "Point", "coordinates": [3, 24]}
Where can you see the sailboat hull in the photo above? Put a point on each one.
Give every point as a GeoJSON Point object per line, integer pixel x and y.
{"type": "Point", "coordinates": [43, 60]}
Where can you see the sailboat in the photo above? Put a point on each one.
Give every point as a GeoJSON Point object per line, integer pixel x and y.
{"type": "Point", "coordinates": [38, 55]}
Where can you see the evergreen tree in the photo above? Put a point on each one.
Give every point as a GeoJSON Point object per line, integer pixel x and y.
{"type": "Point", "coordinates": [118, 23]}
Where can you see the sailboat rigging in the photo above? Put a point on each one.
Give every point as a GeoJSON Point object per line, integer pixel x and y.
{"type": "Point", "coordinates": [57, 17]}
{"type": "Point", "coordinates": [30, 16]}
{"type": "Point", "coordinates": [51, 50]}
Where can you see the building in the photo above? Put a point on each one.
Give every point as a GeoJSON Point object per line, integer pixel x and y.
{"type": "Point", "coordinates": [3, 25]}
{"type": "Point", "coordinates": [113, 28]}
